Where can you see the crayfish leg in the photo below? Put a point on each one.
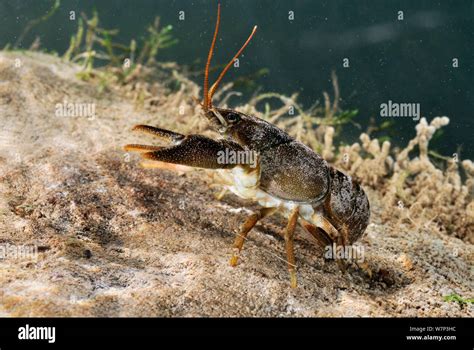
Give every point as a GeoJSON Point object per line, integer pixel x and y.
{"type": "Point", "coordinates": [335, 237]}
{"type": "Point", "coordinates": [245, 229]}
{"type": "Point", "coordinates": [324, 224]}
{"type": "Point", "coordinates": [321, 236]}
{"type": "Point", "coordinates": [221, 194]}
{"type": "Point", "coordinates": [290, 251]}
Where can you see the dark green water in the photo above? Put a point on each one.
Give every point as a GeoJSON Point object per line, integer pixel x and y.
{"type": "Point", "coordinates": [407, 61]}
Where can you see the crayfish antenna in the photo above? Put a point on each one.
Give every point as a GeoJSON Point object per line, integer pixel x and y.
{"type": "Point", "coordinates": [206, 103]}
{"type": "Point", "coordinates": [227, 67]}
{"type": "Point", "coordinates": [208, 93]}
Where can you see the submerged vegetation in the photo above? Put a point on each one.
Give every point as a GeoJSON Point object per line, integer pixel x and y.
{"type": "Point", "coordinates": [33, 23]}
{"type": "Point", "coordinates": [118, 61]}
{"type": "Point", "coordinates": [462, 302]}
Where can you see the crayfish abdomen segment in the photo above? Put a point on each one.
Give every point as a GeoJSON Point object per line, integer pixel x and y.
{"type": "Point", "coordinates": [347, 206]}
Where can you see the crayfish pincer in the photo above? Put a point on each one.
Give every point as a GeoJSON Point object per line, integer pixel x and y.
{"type": "Point", "coordinates": [287, 176]}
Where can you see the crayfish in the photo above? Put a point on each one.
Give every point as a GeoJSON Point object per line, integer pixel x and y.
{"type": "Point", "coordinates": [288, 177]}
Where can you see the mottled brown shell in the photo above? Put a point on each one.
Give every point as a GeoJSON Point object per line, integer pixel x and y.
{"type": "Point", "coordinates": [292, 171]}
{"type": "Point", "coordinates": [347, 207]}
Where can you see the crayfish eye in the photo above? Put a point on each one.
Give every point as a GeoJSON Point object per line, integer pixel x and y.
{"type": "Point", "coordinates": [233, 117]}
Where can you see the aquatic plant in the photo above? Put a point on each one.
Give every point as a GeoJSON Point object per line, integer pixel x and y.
{"type": "Point", "coordinates": [416, 192]}
{"type": "Point", "coordinates": [156, 40]}
{"type": "Point", "coordinates": [462, 302]}
{"type": "Point", "coordinates": [119, 61]}
{"type": "Point", "coordinates": [33, 23]}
